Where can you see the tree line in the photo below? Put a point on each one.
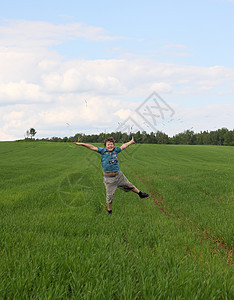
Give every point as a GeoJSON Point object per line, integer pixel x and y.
{"type": "Point", "coordinates": [223, 137]}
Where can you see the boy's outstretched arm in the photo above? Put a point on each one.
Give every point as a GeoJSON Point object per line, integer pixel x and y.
{"type": "Point", "coordinates": [89, 146]}
{"type": "Point", "coordinates": [125, 145]}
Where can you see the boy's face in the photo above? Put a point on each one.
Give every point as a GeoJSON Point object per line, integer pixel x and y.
{"type": "Point", "coordinates": [110, 146]}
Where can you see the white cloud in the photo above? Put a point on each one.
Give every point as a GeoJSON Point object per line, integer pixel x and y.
{"type": "Point", "coordinates": [161, 87]}
{"type": "Point", "coordinates": [97, 114]}
{"type": "Point", "coordinates": [83, 77]}
{"type": "Point", "coordinates": [23, 92]}
{"type": "Point", "coordinates": [39, 88]}
{"type": "Point", "coordinates": [26, 33]}
{"type": "Point", "coordinates": [26, 64]}
{"type": "Point", "coordinates": [6, 137]}
{"type": "Point", "coordinates": [207, 117]}
{"type": "Point", "coordinates": [52, 118]}
{"type": "Point", "coordinates": [123, 113]}
{"type": "Point", "coordinates": [83, 92]}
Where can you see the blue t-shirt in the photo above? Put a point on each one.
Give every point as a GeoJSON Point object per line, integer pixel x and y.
{"type": "Point", "coordinates": [109, 159]}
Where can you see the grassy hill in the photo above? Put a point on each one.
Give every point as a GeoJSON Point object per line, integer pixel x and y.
{"type": "Point", "coordinates": [57, 241]}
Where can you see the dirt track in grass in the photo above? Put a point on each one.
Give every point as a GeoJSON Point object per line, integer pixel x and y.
{"type": "Point", "coordinates": [164, 208]}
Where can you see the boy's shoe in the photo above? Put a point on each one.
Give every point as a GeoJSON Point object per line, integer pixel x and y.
{"type": "Point", "coordinates": [109, 212]}
{"type": "Point", "coordinates": [144, 195]}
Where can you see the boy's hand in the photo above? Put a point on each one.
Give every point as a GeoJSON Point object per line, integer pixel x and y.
{"type": "Point", "coordinates": [132, 140]}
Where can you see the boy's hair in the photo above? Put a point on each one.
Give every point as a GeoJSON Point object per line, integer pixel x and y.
{"type": "Point", "coordinates": [110, 139]}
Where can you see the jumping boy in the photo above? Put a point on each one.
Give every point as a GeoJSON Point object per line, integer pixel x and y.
{"type": "Point", "coordinates": [113, 177]}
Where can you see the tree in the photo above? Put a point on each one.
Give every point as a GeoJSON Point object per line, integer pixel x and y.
{"type": "Point", "coordinates": [162, 138]}
{"type": "Point", "coordinates": [30, 133]}
{"type": "Point", "coordinates": [190, 137]}
{"type": "Point", "coordinates": [221, 135]}
{"type": "Point", "coordinates": [229, 138]}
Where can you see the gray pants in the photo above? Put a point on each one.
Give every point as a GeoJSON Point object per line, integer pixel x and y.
{"type": "Point", "coordinates": [117, 181]}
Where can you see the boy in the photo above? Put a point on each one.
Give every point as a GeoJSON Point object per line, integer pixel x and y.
{"type": "Point", "coordinates": [113, 177]}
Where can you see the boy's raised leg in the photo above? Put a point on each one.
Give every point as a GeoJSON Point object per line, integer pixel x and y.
{"type": "Point", "coordinates": [141, 195]}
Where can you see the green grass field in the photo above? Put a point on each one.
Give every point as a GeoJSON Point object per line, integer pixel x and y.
{"type": "Point", "coordinates": [57, 241]}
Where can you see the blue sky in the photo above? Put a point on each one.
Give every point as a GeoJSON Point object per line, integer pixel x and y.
{"type": "Point", "coordinates": [204, 27]}
{"type": "Point", "coordinates": [59, 56]}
